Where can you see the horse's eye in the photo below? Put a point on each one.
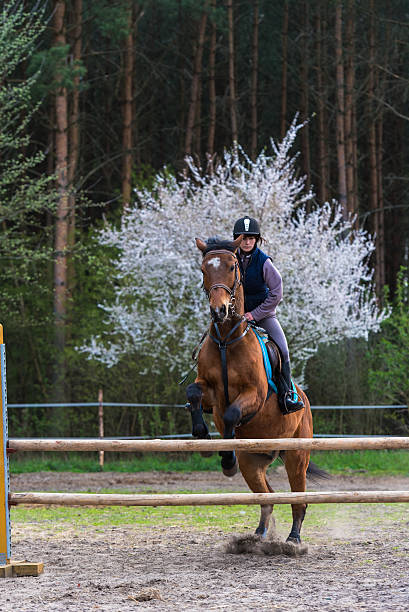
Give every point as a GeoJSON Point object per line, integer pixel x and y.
{"type": "Point", "coordinates": [231, 268]}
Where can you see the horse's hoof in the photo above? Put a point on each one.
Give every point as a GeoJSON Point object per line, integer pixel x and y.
{"type": "Point", "coordinates": [200, 431]}
{"type": "Point", "coordinates": [230, 472]}
{"type": "Point", "coordinates": [294, 539]}
{"type": "Point", "coordinates": [262, 532]}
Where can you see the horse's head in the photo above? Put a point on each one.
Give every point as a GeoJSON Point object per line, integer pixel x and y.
{"type": "Point", "coordinates": [221, 275]}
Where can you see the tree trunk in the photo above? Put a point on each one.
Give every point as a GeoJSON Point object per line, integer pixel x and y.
{"type": "Point", "coordinates": [381, 86]}
{"type": "Point", "coordinates": [284, 69]}
{"type": "Point", "coordinates": [322, 119]}
{"type": "Point", "coordinates": [373, 160]}
{"type": "Point", "coordinates": [232, 80]}
{"type": "Point", "coordinates": [350, 137]}
{"type": "Point", "coordinates": [51, 167]}
{"type": "Point", "coordinates": [74, 126]}
{"type": "Point", "coordinates": [127, 140]}
{"type": "Point", "coordinates": [62, 215]}
{"type": "Point", "coordinates": [197, 146]}
{"type": "Point", "coordinates": [340, 96]}
{"type": "Point", "coordinates": [74, 140]}
{"type": "Point", "coordinates": [381, 218]}
{"type": "Point", "coordinates": [195, 87]}
{"type": "Point", "coordinates": [182, 37]}
{"type": "Point", "coordinates": [254, 79]}
{"type": "Point", "coordinates": [304, 102]}
{"type": "Point", "coordinates": [212, 85]}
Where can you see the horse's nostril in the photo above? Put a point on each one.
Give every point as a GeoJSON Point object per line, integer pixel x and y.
{"type": "Point", "coordinates": [214, 314]}
{"type": "Point", "coordinates": [218, 314]}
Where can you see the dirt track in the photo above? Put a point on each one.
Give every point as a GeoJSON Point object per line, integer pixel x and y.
{"type": "Point", "coordinates": [127, 568]}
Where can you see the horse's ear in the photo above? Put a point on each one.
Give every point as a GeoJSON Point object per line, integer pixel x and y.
{"type": "Point", "coordinates": [237, 242]}
{"type": "Point", "coordinates": [200, 244]}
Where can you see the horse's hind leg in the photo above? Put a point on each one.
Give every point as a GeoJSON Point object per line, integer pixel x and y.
{"type": "Point", "coordinates": [253, 466]}
{"type": "Point", "coordinates": [296, 463]}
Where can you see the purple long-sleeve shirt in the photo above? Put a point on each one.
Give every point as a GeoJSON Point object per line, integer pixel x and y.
{"type": "Point", "coordinates": [273, 280]}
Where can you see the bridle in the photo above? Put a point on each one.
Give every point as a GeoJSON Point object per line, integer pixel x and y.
{"type": "Point", "coordinates": [237, 281]}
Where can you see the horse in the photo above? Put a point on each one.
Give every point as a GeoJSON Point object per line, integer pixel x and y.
{"type": "Point", "coordinates": [231, 384]}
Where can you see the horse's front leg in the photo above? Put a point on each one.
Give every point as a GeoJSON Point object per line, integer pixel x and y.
{"type": "Point", "coordinates": [195, 393]}
{"type": "Point", "coordinates": [243, 406]}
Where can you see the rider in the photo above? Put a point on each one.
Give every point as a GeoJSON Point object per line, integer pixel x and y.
{"type": "Point", "coordinates": [263, 291]}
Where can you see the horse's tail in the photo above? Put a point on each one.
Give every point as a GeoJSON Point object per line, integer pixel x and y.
{"type": "Point", "coordinates": [315, 473]}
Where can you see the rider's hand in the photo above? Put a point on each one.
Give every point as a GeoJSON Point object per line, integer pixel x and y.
{"type": "Point", "coordinates": [249, 316]}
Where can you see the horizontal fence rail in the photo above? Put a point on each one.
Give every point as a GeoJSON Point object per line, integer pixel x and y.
{"type": "Point", "coordinates": [215, 434]}
{"type": "Point", "coordinates": [125, 405]}
{"type": "Point", "coordinates": [208, 499]}
{"type": "Point", "coordinates": [95, 405]}
{"type": "Point", "coordinates": [96, 444]}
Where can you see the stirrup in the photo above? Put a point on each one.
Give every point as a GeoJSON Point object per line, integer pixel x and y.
{"type": "Point", "coordinates": [290, 402]}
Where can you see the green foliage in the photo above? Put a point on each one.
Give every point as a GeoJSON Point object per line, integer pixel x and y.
{"type": "Point", "coordinates": [111, 18]}
{"type": "Point", "coordinates": [389, 357]}
{"type": "Point", "coordinates": [18, 30]}
{"type": "Point", "coordinates": [26, 204]}
{"type": "Point", "coordinates": [45, 64]}
{"type": "Point", "coordinates": [24, 196]}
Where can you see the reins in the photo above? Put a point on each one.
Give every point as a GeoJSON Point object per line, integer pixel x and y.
{"type": "Point", "coordinates": [222, 345]}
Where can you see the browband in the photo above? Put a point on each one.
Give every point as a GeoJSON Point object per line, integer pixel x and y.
{"type": "Point", "coordinates": [216, 251]}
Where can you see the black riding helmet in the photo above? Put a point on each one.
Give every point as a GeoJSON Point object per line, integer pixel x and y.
{"type": "Point", "coordinates": [246, 226]}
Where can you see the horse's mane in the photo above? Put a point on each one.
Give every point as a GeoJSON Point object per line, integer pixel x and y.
{"type": "Point", "coordinates": [215, 243]}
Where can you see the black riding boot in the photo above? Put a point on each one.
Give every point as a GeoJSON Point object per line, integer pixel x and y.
{"type": "Point", "coordinates": [288, 400]}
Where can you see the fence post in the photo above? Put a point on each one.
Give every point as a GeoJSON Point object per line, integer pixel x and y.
{"type": "Point", "coordinates": [101, 425]}
{"type": "Point", "coordinates": [5, 543]}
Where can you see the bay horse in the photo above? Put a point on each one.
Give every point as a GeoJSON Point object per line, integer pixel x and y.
{"type": "Point", "coordinates": [236, 395]}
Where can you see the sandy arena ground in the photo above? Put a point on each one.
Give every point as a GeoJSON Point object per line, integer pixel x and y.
{"type": "Point", "coordinates": [129, 568]}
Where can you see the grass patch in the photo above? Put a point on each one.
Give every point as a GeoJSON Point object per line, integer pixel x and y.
{"type": "Point", "coordinates": [393, 462]}
{"type": "Point", "coordinates": [345, 518]}
{"type": "Point", "coordinates": [223, 518]}
{"type": "Point", "coordinates": [126, 462]}
{"type": "Point", "coordinates": [371, 462]}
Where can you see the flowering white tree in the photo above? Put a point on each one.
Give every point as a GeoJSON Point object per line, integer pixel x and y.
{"type": "Point", "coordinates": [160, 310]}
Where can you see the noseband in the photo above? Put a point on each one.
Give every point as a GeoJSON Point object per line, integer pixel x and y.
{"type": "Point", "coordinates": [237, 281]}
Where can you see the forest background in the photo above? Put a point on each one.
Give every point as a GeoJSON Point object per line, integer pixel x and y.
{"type": "Point", "coordinates": [97, 97]}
